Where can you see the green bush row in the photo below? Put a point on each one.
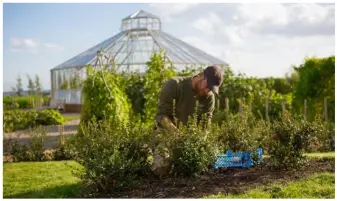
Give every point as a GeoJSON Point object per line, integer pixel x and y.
{"type": "Point", "coordinates": [25, 102]}
{"type": "Point", "coordinates": [19, 119]}
{"type": "Point", "coordinates": [34, 150]}
{"type": "Point", "coordinates": [116, 153]}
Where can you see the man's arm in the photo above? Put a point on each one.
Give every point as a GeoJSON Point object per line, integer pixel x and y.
{"type": "Point", "coordinates": [206, 108]}
{"type": "Point", "coordinates": [164, 117]}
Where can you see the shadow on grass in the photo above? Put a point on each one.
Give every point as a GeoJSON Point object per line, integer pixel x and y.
{"type": "Point", "coordinates": [65, 191]}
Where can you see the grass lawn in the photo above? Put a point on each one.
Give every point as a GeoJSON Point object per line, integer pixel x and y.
{"type": "Point", "coordinates": [40, 180]}
{"type": "Point", "coordinates": [321, 155]}
{"type": "Point", "coordinates": [71, 117]}
{"type": "Point", "coordinates": [321, 185]}
{"type": "Point", "coordinates": [315, 155]}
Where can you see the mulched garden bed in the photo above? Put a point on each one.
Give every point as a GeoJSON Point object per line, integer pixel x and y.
{"type": "Point", "coordinates": [225, 181]}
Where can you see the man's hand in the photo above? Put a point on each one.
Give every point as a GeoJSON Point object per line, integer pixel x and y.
{"type": "Point", "coordinates": [167, 123]}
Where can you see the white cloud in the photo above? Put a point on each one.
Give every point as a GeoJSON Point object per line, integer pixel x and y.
{"type": "Point", "coordinates": [262, 39]}
{"type": "Point", "coordinates": [52, 46]}
{"type": "Point", "coordinates": [31, 45]}
{"type": "Point", "coordinates": [170, 10]}
{"type": "Point", "coordinates": [257, 13]}
{"type": "Point", "coordinates": [23, 44]}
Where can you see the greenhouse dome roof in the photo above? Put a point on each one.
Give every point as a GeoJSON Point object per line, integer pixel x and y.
{"type": "Point", "coordinates": [133, 46]}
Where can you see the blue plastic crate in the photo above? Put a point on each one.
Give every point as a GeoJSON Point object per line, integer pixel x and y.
{"type": "Point", "coordinates": [238, 159]}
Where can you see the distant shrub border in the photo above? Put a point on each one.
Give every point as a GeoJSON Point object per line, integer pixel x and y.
{"type": "Point", "coordinates": [34, 150]}
{"type": "Point", "coordinates": [17, 119]}
{"type": "Point", "coordinates": [25, 102]}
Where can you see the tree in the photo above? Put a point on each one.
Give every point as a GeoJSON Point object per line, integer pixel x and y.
{"type": "Point", "coordinates": [31, 85]}
{"type": "Point", "coordinates": [158, 71]}
{"type": "Point", "coordinates": [316, 82]}
{"type": "Point", "coordinates": [38, 86]}
{"type": "Point", "coordinates": [18, 89]}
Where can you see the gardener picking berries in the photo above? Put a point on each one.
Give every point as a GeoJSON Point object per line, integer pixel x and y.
{"type": "Point", "coordinates": [185, 92]}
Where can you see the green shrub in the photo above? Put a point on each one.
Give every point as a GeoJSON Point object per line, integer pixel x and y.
{"type": "Point", "coordinates": [242, 132]}
{"type": "Point", "coordinates": [24, 102]}
{"type": "Point", "coordinates": [46, 100]}
{"type": "Point", "coordinates": [49, 117]}
{"type": "Point", "coordinates": [194, 152]}
{"type": "Point", "coordinates": [114, 155]}
{"type": "Point", "coordinates": [324, 138]}
{"type": "Point", "coordinates": [291, 136]}
{"type": "Point", "coordinates": [10, 103]}
{"type": "Point", "coordinates": [19, 119]}
{"type": "Point", "coordinates": [14, 120]}
{"type": "Point", "coordinates": [103, 97]}
{"type": "Point", "coordinates": [34, 151]}
{"type": "Point", "coordinates": [189, 151]}
{"type": "Point", "coordinates": [157, 73]}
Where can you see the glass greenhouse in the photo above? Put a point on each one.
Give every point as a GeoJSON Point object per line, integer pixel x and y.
{"type": "Point", "coordinates": [131, 48]}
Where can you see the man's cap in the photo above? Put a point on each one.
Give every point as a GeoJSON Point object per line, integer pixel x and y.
{"type": "Point", "coordinates": [214, 78]}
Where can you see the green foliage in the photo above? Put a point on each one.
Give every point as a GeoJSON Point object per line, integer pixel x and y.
{"type": "Point", "coordinates": [104, 97]}
{"type": "Point", "coordinates": [291, 135]}
{"type": "Point", "coordinates": [32, 152]}
{"type": "Point", "coordinates": [46, 100]}
{"type": "Point", "coordinates": [253, 93]}
{"type": "Point", "coordinates": [18, 119]}
{"type": "Point", "coordinates": [10, 103]}
{"type": "Point", "coordinates": [282, 85]}
{"type": "Point", "coordinates": [316, 81]}
{"type": "Point", "coordinates": [31, 85]}
{"type": "Point", "coordinates": [189, 71]}
{"type": "Point", "coordinates": [23, 102]}
{"type": "Point", "coordinates": [14, 120]}
{"type": "Point", "coordinates": [157, 73]}
{"type": "Point", "coordinates": [65, 85]}
{"type": "Point", "coordinates": [38, 86]}
{"type": "Point", "coordinates": [75, 81]}
{"type": "Point", "coordinates": [194, 152]}
{"type": "Point", "coordinates": [49, 117]}
{"type": "Point", "coordinates": [134, 89]}
{"type": "Point", "coordinates": [190, 150]}
{"type": "Point", "coordinates": [243, 132]}
{"type": "Point", "coordinates": [113, 154]}
{"type": "Point", "coordinates": [324, 138]}
{"type": "Point", "coordinates": [19, 88]}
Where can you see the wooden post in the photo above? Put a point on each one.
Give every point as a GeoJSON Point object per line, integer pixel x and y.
{"type": "Point", "coordinates": [267, 109]}
{"type": "Point", "coordinates": [326, 108]}
{"type": "Point", "coordinates": [218, 104]}
{"type": "Point", "coordinates": [250, 106]}
{"type": "Point", "coordinates": [61, 130]}
{"type": "Point", "coordinates": [305, 109]}
{"type": "Point", "coordinates": [227, 107]}
{"type": "Point", "coordinates": [240, 107]}
{"type": "Point", "coordinates": [283, 106]}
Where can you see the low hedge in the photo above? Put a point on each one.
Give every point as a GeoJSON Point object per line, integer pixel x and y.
{"type": "Point", "coordinates": [25, 102]}
{"type": "Point", "coordinates": [18, 119]}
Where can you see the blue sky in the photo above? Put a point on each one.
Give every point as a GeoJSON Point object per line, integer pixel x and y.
{"type": "Point", "coordinates": [259, 40]}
